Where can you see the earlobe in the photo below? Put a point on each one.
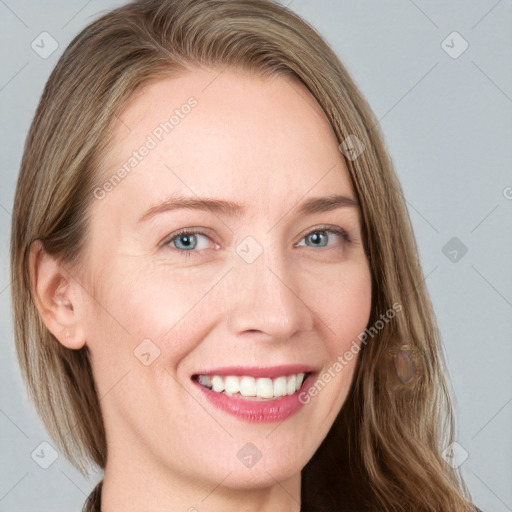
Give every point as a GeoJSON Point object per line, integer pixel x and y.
{"type": "Point", "coordinates": [56, 297]}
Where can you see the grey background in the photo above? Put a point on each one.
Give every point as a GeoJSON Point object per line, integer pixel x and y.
{"type": "Point", "coordinates": [448, 127]}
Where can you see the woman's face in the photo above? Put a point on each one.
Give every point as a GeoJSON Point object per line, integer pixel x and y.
{"type": "Point", "coordinates": [270, 281]}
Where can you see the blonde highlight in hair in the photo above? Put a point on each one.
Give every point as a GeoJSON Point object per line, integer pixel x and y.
{"type": "Point", "coordinates": [384, 450]}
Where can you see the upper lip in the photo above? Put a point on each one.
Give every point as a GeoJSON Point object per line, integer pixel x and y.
{"type": "Point", "coordinates": [260, 371]}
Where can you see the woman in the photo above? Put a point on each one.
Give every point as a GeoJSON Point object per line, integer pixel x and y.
{"type": "Point", "coordinates": [217, 294]}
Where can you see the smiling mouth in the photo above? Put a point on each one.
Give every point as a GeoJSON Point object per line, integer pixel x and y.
{"type": "Point", "coordinates": [263, 388]}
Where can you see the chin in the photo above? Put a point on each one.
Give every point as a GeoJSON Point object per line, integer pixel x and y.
{"type": "Point", "coordinates": [260, 478]}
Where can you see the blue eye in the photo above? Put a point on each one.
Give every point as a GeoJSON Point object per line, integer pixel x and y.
{"type": "Point", "coordinates": [190, 242]}
{"type": "Point", "coordinates": [320, 237]}
{"type": "Point", "coordinates": [187, 241]}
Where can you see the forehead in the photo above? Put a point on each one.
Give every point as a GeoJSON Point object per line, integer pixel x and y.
{"type": "Point", "coordinates": [224, 134]}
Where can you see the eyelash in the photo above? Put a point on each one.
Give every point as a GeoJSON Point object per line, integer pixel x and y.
{"type": "Point", "coordinates": [188, 232]}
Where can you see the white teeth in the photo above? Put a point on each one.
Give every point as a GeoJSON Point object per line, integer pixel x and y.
{"type": "Point", "coordinates": [290, 385]}
{"type": "Point", "coordinates": [248, 386]}
{"type": "Point", "coordinates": [205, 380]}
{"type": "Point", "coordinates": [300, 378]}
{"type": "Point", "coordinates": [280, 386]}
{"type": "Point", "coordinates": [232, 385]}
{"type": "Point", "coordinates": [264, 388]}
{"type": "Point", "coordinates": [217, 383]}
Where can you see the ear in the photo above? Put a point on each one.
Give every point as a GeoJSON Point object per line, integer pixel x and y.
{"type": "Point", "coordinates": [57, 297]}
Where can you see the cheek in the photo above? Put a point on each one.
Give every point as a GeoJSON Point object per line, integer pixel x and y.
{"type": "Point", "coordinates": [344, 309]}
{"type": "Point", "coordinates": [344, 305]}
{"type": "Point", "coordinates": [138, 302]}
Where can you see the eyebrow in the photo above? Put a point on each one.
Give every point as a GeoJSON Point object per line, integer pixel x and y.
{"type": "Point", "coordinates": [232, 209]}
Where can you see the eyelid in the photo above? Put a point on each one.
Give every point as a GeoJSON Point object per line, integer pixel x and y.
{"type": "Point", "coordinates": [337, 230]}
{"type": "Point", "coordinates": [185, 231]}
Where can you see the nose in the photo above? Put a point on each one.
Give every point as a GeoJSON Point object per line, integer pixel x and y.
{"type": "Point", "coordinates": [266, 300]}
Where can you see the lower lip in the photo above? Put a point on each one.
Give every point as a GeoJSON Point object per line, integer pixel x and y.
{"type": "Point", "coordinates": [258, 411]}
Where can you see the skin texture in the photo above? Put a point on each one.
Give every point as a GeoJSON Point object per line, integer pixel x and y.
{"type": "Point", "coordinates": [265, 144]}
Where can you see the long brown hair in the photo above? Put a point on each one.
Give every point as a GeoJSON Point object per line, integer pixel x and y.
{"type": "Point", "coordinates": [384, 449]}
